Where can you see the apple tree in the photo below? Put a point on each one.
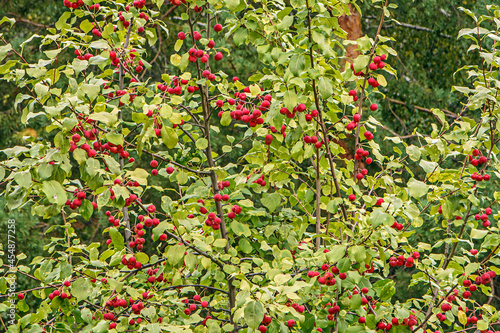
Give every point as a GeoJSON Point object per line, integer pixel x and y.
{"type": "Point", "coordinates": [231, 203]}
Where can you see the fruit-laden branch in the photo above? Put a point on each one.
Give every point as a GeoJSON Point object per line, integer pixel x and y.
{"type": "Point", "coordinates": [126, 217]}
{"type": "Point", "coordinates": [194, 285]}
{"type": "Point", "coordinates": [363, 87]}
{"type": "Point", "coordinates": [447, 260]}
{"type": "Point", "coordinates": [180, 239]}
{"type": "Point", "coordinates": [205, 102]}
{"type": "Point", "coordinates": [327, 144]}
{"type": "Point", "coordinates": [161, 158]}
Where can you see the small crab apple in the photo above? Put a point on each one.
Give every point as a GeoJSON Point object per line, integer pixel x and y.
{"type": "Point", "coordinates": [352, 197]}
{"type": "Point", "coordinates": [267, 320]}
{"type": "Point", "coordinates": [374, 107]}
{"type": "Point", "coordinates": [268, 140]}
{"type": "Point", "coordinates": [218, 56]}
{"type": "Point", "coordinates": [218, 27]}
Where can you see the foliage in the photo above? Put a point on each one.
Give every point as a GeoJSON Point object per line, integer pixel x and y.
{"type": "Point", "coordinates": [288, 234]}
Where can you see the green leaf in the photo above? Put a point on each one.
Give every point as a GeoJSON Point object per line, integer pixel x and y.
{"type": "Point", "coordinates": [142, 257]}
{"type": "Point", "coordinates": [336, 253]}
{"type": "Point", "coordinates": [240, 36]}
{"type": "Point", "coordinates": [175, 254]}
{"type": "Point", "coordinates": [290, 100]}
{"type": "Point", "coordinates": [271, 201]}
{"type": "Point", "coordinates": [413, 152]}
{"type": "Point", "coordinates": [232, 5]}
{"type": "Point", "coordinates": [8, 19]}
{"type": "Point", "coordinates": [86, 315]}
{"type": "Point", "coordinates": [55, 192]}
{"type": "Point", "coordinates": [112, 164]}
{"type": "Point", "coordinates": [81, 288]}
{"type": "Point", "coordinates": [140, 175]}
{"type": "Point", "coordinates": [478, 234]}
{"type": "Point", "coordinates": [297, 64]}
{"type": "Point", "coordinates": [117, 238]}
{"type": "Point", "coordinates": [80, 65]}
{"type": "Point", "coordinates": [169, 137]}
{"type": "Point", "coordinates": [417, 188]}
{"type": "Point", "coordinates": [62, 143]}
{"type": "Point", "coordinates": [178, 45]}
{"type": "Point", "coordinates": [92, 166]}
{"type": "Point", "coordinates": [103, 199]}
{"type": "Point", "coordinates": [182, 177]}
{"type": "Point", "coordinates": [23, 178]}
{"type": "Point", "coordinates": [462, 318]}
{"type": "Point", "coordinates": [62, 20]}
{"type": "Point", "coordinates": [86, 26]}
{"type": "Point", "coordinates": [4, 49]}
{"type": "Point", "coordinates": [325, 87]}
{"type": "Point", "coordinates": [226, 119]}
{"type": "Point", "coordinates": [254, 313]}
{"type": "Point", "coordinates": [385, 289]}
{"type": "Point", "coordinates": [245, 245]}
{"type": "Point", "coordinates": [104, 117]}
{"type": "Point", "coordinates": [285, 23]}
{"type": "Point", "coordinates": [355, 301]}
{"type": "Point", "coordinates": [202, 143]}
{"type": "Point", "coordinates": [357, 253]}
{"type": "Point", "coordinates": [101, 327]}
{"type": "Point", "coordinates": [213, 326]}
{"type": "Point", "coordinates": [221, 242]}
{"type": "Point", "coordinates": [471, 268]}
{"type": "Point", "coordinates": [80, 156]}
{"type": "Point", "coordinates": [361, 62]}
{"type": "Point", "coordinates": [91, 90]}
{"type": "Point", "coordinates": [175, 59]}
{"type": "Point", "coordinates": [115, 138]}
{"type": "Point", "coordinates": [86, 210]}
{"type": "Point", "coordinates": [482, 325]}
{"type": "Point", "coordinates": [379, 217]}
{"type": "Point", "coordinates": [344, 265]}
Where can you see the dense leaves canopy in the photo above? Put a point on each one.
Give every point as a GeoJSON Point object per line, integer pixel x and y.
{"type": "Point", "coordinates": [263, 195]}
